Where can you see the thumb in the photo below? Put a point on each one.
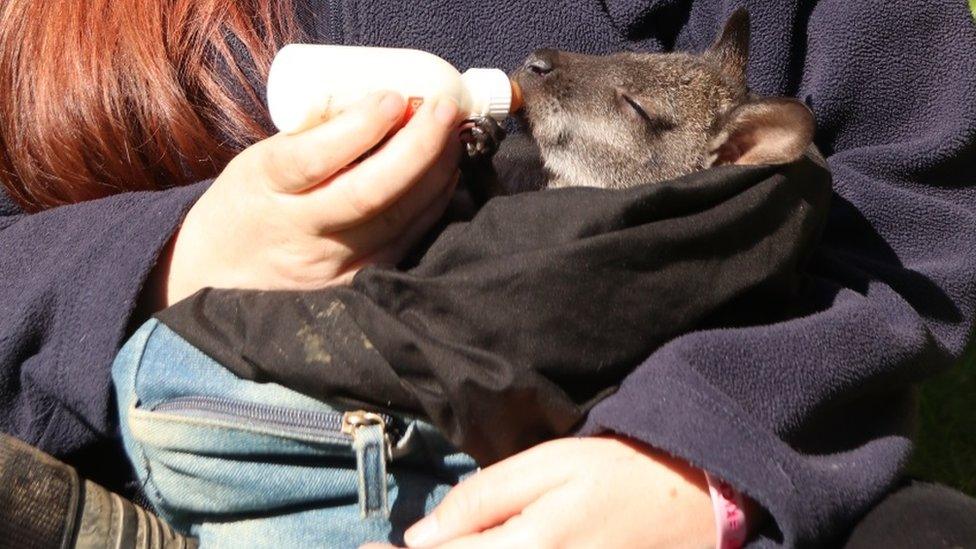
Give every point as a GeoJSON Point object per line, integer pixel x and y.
{"type": "Point", "coordinates": [488, 498]}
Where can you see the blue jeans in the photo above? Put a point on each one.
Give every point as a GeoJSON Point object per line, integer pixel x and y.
{"type": "Point", "coordinates": [239, 463]}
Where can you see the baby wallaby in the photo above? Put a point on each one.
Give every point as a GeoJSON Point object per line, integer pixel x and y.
{"type": "Point", "coordinates": [631, 118]}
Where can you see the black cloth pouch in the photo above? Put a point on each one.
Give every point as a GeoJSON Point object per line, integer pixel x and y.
{"type": "Point", "coordinates": [512, 325]}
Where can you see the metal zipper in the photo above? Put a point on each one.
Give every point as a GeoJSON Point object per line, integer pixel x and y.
{"type": "Point", "coordinates": [352, 421]}
{"type": "Point", "coordinates": [371, 434]}
{"type": "Point", "coordinates": [338, 425]}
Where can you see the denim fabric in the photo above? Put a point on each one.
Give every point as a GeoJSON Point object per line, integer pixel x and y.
{"type": "Point", "coordinates": [240, 476]}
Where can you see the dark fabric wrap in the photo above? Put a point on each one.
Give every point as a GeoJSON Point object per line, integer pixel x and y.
{"type": "Point", "coordinates": [513, 324]}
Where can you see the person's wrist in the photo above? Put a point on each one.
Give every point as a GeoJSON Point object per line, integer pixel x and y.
{"type": "Point", "coordinates": [691, 497]}
{"type": "Point", "coordinates": [166, 281]}
{"type": "Point", "coordinates": [153, 295]}
{"type": "Point", "coordinates": [697, 497]}
{"type": "Point", "coordinates": [182, 261]}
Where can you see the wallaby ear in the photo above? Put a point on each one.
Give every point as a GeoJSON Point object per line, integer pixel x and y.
{"type": "Point", "coordinates": [731, 50]}
{"type": "Point", "coordinates": [765, 131]}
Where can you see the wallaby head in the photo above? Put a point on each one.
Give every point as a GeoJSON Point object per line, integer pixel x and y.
{"type": "Point", "coordinates": [630, 118]}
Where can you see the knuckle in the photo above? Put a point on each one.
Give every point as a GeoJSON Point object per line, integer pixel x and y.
{"type": "Point", "coordinates": [271, 155]}
{"type": "Point", "coordinates": [462, 506]}
{"type": "Point", "coordinates": [287, 161]}
{"type": "Point", "coordinates": [474, 504]}
{"type": "Point", "coordinates": [312, 170]}
{"type": "Point", "coordinates": [278, 160]}
{"type": "Point", "coordinates": [363, 205]}
{"type": "Point", "coordinates": [366, 124]}
{"type": "Point", "coordinates": [424, 147]}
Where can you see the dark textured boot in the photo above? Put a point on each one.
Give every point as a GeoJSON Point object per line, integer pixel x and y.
{"type": "Point", "coordinates": [43, 503]}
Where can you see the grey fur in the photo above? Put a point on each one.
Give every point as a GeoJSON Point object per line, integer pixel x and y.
{"type": "Point", "coordinates": [632, 118]}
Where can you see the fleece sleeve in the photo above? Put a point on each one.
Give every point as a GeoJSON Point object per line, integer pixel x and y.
{"type": "Point", "coordinates": [70, 278]}
{"type": "Point", "coordinates": [811, 417]}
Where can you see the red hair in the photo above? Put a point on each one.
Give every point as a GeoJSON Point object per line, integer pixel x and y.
{"type": "Point", "coordinates": [106, 96]}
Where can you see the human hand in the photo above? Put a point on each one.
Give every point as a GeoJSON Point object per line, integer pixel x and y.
{"type": "Point", "coordinates": [574, 492]}
{"type": "Point", "coordinates": [308, 210]}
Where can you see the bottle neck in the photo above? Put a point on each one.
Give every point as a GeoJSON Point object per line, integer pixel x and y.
{"type": "Point", "coordinates": [490, 92]}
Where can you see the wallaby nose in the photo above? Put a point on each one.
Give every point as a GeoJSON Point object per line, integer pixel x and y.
{"type": "Point", "coordinates": [541, 62]}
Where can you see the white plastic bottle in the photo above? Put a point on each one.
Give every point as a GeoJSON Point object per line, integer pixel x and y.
{"type": "Point", "coordinates": [310, 83]}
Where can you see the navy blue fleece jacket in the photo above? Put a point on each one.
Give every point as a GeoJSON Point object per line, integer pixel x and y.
{"type": "Point", "coordinates": [809, 417]}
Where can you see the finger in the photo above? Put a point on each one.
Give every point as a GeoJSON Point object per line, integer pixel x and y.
{"type": "Point", "coordinates": [552, 517]}
{"type": "Point", "coordinates": [488, 498]}
{"type": "Point", "coordinates": [381, 179]}
{"type": "Point", "coordinates": [297, 162]}
{"type": "Point", "coordinates": [401, 216]}
{"type": "Point", "coordinates": [519, 531]}
{"type": "Point", "coordinates": [393, 252]}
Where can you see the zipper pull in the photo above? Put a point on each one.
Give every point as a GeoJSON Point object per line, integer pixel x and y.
{"type": "Point", "coordinates": [369, 439]}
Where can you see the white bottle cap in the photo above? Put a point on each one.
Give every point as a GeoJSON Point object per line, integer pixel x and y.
{"type": "Point", "coordinates": [491, 91]}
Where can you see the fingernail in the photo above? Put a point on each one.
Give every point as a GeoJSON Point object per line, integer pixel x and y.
{"type": "Point", "coordinates": [391, 105]}
{"type": "Point", "coordinates": [446, 111]}
{"type": "Point", "coordinates": [422, 534]}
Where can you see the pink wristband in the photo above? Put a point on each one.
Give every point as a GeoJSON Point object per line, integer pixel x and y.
{"type": "Point", "coordinates": [730, 516]}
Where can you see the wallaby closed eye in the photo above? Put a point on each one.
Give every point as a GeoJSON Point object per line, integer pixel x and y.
{"type": "Point", "coordinates": [632, 104]}
{"type": "Point", "coordinates": [645, 115]}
